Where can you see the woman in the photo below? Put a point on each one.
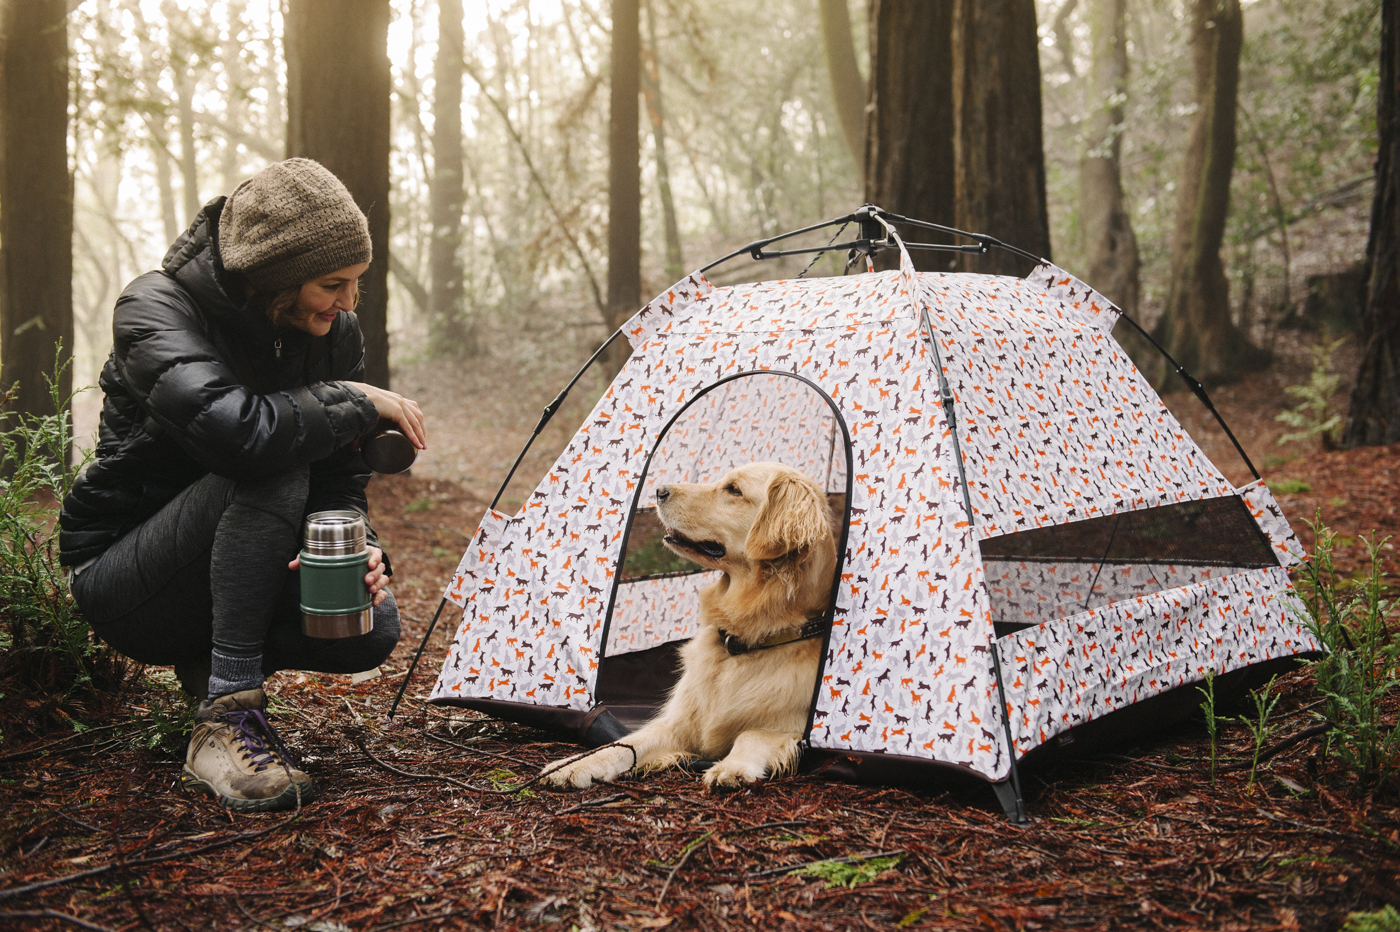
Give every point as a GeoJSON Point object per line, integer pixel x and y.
{"type": "Point", "coordinates": [233, 404]}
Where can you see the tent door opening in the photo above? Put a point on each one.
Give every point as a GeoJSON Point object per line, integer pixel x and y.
{"type": "Point", "coordinates": [654, 610]}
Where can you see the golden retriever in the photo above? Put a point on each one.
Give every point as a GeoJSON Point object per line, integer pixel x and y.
{"type": "Point", "coordinates": [768, 529]}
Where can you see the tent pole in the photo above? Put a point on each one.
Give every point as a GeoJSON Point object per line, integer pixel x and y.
{"type": "Point", "coordinates": [1197, 389]}
{"type": "Point", "coordinates": [1016, 813]}
{"type": "Point", "coordinates": [548, 413]}
{"type": "Point", "coordinates": [414, 665]}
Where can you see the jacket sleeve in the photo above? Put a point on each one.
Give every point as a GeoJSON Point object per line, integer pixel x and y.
{"type": "Point", "coordinates": [174, 372]}
{"type": "Point", "coordinates": [339, 480]}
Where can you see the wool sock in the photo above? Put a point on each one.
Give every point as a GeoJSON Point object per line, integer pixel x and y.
{"type": "Point", "coordinates": [229, 674]}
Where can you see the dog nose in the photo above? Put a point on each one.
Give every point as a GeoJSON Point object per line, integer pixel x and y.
{"type": "Point", "coordinates": [663, 492]}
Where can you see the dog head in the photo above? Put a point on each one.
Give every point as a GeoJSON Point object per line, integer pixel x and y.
{"type": "Point", "coordinates": [764, 524]}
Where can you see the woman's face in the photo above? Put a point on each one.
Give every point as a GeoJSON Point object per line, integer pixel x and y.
{"type": "Point", "coordinates": [321, 299]}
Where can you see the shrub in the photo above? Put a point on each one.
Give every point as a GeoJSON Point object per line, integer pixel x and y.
{"type": "Point", "coordinates": [49, 652]}
{"type": "Point", "coordinates": [1362, 660]}
{"type": "Point", "coordinates": [1313, 415]}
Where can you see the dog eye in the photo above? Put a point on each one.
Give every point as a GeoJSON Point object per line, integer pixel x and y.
{"type": "Point", "coordinates": [733, 489]}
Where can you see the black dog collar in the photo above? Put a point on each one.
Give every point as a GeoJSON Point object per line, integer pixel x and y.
{"type": "Point", "coordinates": [815, 627]}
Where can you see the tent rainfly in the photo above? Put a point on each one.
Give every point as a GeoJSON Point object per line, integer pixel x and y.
{"type": "Point", "coordinates": [1030, 540]}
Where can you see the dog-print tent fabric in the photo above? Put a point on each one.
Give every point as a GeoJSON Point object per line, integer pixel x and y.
{"type": "Point", "coordinates": [1095, 545]}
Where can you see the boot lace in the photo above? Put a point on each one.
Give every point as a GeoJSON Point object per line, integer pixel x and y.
{"type": "Point", "coordinates": [254, 733]}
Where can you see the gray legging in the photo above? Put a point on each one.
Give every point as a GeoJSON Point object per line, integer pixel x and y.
{"type": "Point", "coordinates": [208, 574]}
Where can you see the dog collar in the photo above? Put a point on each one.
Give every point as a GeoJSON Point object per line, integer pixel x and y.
{"type": "Point", "coordinates": [814, 627]}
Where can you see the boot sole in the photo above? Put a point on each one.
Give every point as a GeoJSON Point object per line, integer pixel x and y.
{"type": "Point", "coordinates": [287, 799]}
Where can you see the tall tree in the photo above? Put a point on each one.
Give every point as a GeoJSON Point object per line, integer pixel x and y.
{"type": "Point", "coordinates": [624, 173]}
{"type": "Point", "coordinates": [848, 88]}
{"type": "Point", "coordinates": [1374, 417]}
{"type": "Point", "coordinates": [675, 264]}
{"type": "Point", "coordinates": [1109, 242]}
{"type": "Point", "coordinates": [998, 153]}
{"type": "Point", "coordinates": [909, 130]}
{"type": "Point", "coordinates": [338, 89]}
{"type": "Point", "coordinates": [36, 200]}
{"type": "Point", "coordinates": [1195, 327]}
{"type": "Point", "coordinates": [446, 192]}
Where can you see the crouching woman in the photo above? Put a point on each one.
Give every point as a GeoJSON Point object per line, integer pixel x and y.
{"type": "Point", "coordinates": [233, 400]}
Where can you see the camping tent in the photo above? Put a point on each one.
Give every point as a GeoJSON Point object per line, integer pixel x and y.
{"type": "Point", "coordinates": [1030, 539]}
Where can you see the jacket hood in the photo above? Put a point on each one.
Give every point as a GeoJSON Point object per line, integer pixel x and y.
{"type": "Point", "coordinates": [193, 261]}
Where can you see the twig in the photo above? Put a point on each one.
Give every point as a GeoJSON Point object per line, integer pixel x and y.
{"type": "Point", "coordinates": [16, 755]}
{"type": "Point", "coordinates": [471, 750]}
{"type": "Point", "coordinates": [593, 802]}
{"type": "Point", "coordinates": [54, 914]}
{"type": "Point", "coordinates": [849, 859]}
{"type": "Point", "coordinates": [428, 918]}
{"type": "Point", "coordinates": [758, 828]}
{"type": "Point", "coordinates": [685, 856]}
{"type": "Point", "coordinates": [241, 909]}
{"type": "Point", "coordinates": [141, 862]}
{"type": "Point", "coordinates": [1283, 745]}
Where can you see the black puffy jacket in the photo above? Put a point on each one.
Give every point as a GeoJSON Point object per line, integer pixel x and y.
{"type": "Point", "coordinates": [199, 382]}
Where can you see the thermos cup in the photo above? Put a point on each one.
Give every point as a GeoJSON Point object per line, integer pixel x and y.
{"type": "Point", "coordinates": [335, 602]}
{"type": "Point", "coordinates": [386, 449]}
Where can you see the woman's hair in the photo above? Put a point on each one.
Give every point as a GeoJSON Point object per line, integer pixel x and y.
{"type": "Point", "coordinates": [280, 305]}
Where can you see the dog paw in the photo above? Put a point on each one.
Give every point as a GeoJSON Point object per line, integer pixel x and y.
{"type": "Point", "coordinates": [583, 770]}
{"type": "Point", "coordinates": [727, 774]}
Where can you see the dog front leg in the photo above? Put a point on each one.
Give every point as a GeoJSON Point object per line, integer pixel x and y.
{"type": "Point", "coordinates": [642, 749]}
{"type": "Point", "coordinates": [755, 754]}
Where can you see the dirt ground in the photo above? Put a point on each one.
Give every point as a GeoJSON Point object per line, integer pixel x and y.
{"type": "Point", "coordinates": [417, 823]}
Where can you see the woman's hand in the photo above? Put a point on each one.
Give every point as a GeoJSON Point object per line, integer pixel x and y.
{"type": "Point", "coordinates": [402, 411]}
{"type": "Point", "coordinates": [374, 579]}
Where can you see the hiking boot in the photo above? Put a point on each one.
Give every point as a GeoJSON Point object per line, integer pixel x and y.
{"type": "Point", "coordinates": [235, 755]}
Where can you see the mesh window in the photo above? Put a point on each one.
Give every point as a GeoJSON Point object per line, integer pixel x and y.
{"type": "Point", "coordinates": [761, 417]}
{"type": "Point", "coordinates": [1053, 572]}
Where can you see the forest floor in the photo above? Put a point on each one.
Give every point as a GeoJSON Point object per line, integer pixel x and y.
{"type": "Point", "coordinates": [417, 823]}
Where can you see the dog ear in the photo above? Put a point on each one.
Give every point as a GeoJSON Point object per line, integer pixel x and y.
{"type": "Point", "coordinates": [793, 517]}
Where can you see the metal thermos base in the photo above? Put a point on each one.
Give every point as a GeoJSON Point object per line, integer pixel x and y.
{"type": "Point", "coordinates": [337, 626]}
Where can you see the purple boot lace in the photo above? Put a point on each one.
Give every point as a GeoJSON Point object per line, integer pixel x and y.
{"type": "Point", "coordinates": [253, 731]}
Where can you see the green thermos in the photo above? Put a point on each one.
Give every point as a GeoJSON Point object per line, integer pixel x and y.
{"type": "Point", "coordinates": [335, 602]}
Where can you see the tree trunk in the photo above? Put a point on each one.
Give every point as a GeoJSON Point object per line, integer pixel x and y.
{"type": "Point", "coordinates": [848, 88]}
{"type": "Point", "coordinates": [998, 153]}
{"type": "Point", "coordinates": [1108, 233]}
{"type": "Point", "coordinates": [675, 264]}
{"type": "Point", "coordinates": [338, 114]}
{"type": "Point", "coordinates": [450, 324]}
{"type": "Point", "coordinates": [624, 175]}
{"type": "Point", "coordinates": [1196, 328]}
{"type": "Point", "coordinates": [189, 161]}
{"type": "Point", "coordinates": [1374, 417]}
{"type": "Point", "coordinates": [909, 132]}
{"type": "Point", "coordinates": [36, 201]}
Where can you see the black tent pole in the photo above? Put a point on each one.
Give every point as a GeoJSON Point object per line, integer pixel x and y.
{"type": "Point", "coordinates": [1017, 811]}
{"type": "Point", "coordinates": [548, 413]}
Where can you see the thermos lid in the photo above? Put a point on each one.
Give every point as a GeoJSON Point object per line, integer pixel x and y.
{"type": "Point", "coordinates": [335, 532]}
{"type": "Point", "coordinates": [388, 451]}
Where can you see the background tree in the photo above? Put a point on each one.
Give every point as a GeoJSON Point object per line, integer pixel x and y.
{"type": "Point", "coordinates": [656, 111]}
{"type": "Point", "coordinates": [453, 327]}
{"type": "Point", "coordinates": [624, 173]}
{"type": "Point", "coordinates": [1196, 326]}
{"type": "Point", "coordinates": [1109, 244]}
{"type": "Point", "coordinates": [338, 114]}
{"type": "Point", "coordinates": [849, 91]}
{"type": "Point", "coordinates": [36, 199]}
{"type": "Point", "coordinates": [1374, 417]}
{"type": "Point", "coordinates": [909, 130]}
{"type": "Point", "coordinates": [998, 153]}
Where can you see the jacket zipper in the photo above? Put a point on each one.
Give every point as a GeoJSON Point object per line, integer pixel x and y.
{"type": "Point", "coordinates": [277, 345]}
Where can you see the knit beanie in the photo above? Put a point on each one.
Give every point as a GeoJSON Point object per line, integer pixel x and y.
{"type": "Point", "coordinates": [290, 223]}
